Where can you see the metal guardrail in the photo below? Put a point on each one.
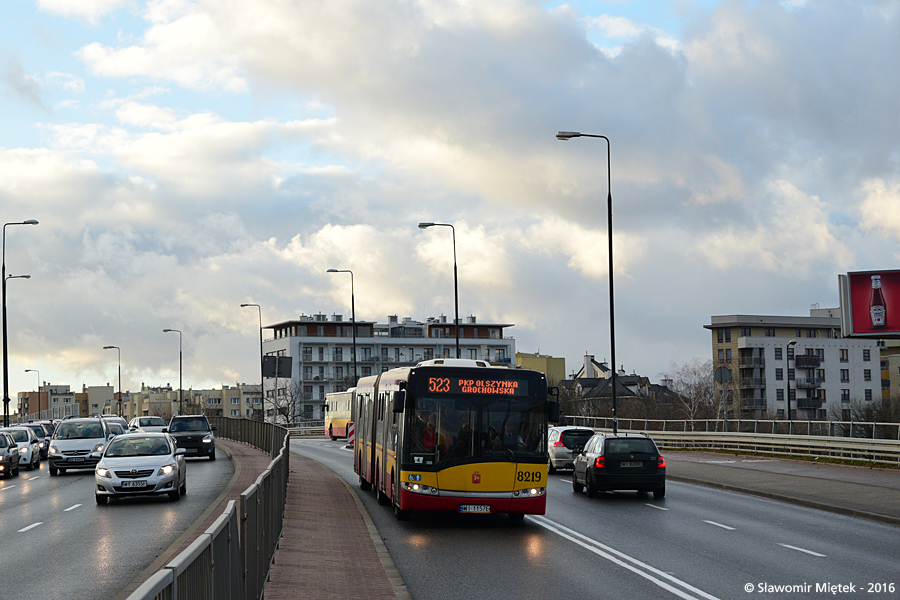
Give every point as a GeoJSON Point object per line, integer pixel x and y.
{"type": "Point", "coordinates": [231, 559]}
{"type": "Point", "coordinates": [669, 436]}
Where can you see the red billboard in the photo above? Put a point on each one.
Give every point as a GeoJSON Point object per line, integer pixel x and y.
{"type": "Point", "coordinates": [870, 303]}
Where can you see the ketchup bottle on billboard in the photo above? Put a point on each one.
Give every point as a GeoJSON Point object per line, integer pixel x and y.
{"type": "Point", "coordinates": [877, 307]}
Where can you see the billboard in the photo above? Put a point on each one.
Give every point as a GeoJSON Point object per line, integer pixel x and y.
{"type": "Point", "coordinates": [870, 303]}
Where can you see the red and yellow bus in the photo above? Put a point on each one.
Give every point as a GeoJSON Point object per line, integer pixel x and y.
{"type": "Point", "coordinates": [337, 413]}
{"type": "Point", "coordinates": [454, 435]}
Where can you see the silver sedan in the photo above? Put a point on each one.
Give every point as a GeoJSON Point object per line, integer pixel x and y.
{"type": "Point", "coordinates": [136, 464]}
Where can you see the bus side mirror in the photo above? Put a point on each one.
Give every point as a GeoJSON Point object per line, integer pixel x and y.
{"type": "Point", "coordinates": [553, 412]}
{"type": "Point", "coordinates": [399, 398]}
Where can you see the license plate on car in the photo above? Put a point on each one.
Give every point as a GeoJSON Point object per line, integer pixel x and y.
{"type": "Point", "coordinates": [190, 450]}
{"type": "Point", "coordinates": [76, 459]}
{"type": "Point", "coordinates": [134, 484]}
{"type": "Point", "coordinates": [632, 463]}
{"type": "Point", "coordinates": [474, 508]}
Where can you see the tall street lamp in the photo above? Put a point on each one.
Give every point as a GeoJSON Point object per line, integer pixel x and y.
{"type": "Point", "coordinates": [352, 317]}
{"type": "Point", "coordinates": [259, 309]}
{"type": "Point", "coordinates": [567, 135]}
{"type": "Point", "coordinates": [38, 389]}
{"type": "Point", "coordinates": [787, 378]}
{"type": "Point", "coordinates": [5, 349]}
{"type": "Point", "coordinates": [180, 390]}
{"type": "Point", "coordinates": [120, 374]}
{"type": "Point", "coordinates": [455, 279]}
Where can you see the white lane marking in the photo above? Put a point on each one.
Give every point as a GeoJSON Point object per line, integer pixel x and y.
{"type": "Point", "coordinates": [566, 480]}
{"type": "Point", "coordinates": [32, 526]}
{"type": "Point", "coordinates": [7, 487]}
{"type": "Point", "coordinates": [803, 550]}
{"type": "Point", "coordinates": [654, 506]}
{"type": "Point", "coordinates": [720, 525]}
{"type": "Point", "coordinates": [72, 507]}
{"type": "Point", "coordinates": [611, 554]}
{"type": "Point", "coordinates": [33, 478]}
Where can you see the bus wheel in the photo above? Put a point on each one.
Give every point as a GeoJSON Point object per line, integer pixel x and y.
{"type": "Point", "coordinates": [516, 516]}
{"type": "Point", "coordinates": [364, 485]}
{"type": "Point", "coordinates": [383, 500]}
{"type": "Point", "coordinates": [402, 515]}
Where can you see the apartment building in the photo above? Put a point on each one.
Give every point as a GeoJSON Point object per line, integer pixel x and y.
{"type": "Point", "coordinates": [322, 355]}
{"type": "Point", "coordinates": [770, 360]}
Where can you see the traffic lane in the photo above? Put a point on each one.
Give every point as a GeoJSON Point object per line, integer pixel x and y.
{"type": "Point", "coordinates": [453, 556]}
{"type": "Point", "coordinates": [82, 550]}
{"type": "Point", "coordinates": [721, 541]}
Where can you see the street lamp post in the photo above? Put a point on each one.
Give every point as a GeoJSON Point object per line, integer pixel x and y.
{"type": "Point", "coordinates": [567, 135]}
{"type": "Point", "coordinates": [259, 309]}
{"type": "Point", "coordinates": [787, 378]}
{"type": "Point", "coordinates": [38, 389]}
{"type": "Point", "coordinates": [180, 391]}
{"type": "Point", "coordinates": [455, 279]}
{"type": "Point", "coordinates": [352, 317]}
{"type": "Point", "coordinates": [5, 349]}
{"type": "Point", "coordinates": [120, 374]}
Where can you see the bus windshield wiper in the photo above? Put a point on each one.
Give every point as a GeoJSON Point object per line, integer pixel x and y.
{"type": "Point", "coordinates": [509, 452]}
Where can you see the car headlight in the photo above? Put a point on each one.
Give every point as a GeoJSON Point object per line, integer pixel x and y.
{"type": "Point", "coordinates": [40, 444]}
{"type": "Point", "coordinates": [98, 447]}
{"type": "Point", "coordinates": [24, 450]}
{"type": "Point", "coordinates": [166, 469]}
{"type": "Point", "coordinates": [101, 472]}
{"type": "Point", "coordinates": [54, 449]}
{"type": "Point", "coordinates": [207, 439]}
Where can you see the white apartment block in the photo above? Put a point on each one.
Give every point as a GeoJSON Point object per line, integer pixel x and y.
{"type": "Point", "coordinates": [322, 358]}
{"type": "Point", "coordinates": [771, 358]}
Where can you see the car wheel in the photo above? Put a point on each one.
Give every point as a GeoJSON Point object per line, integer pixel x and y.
{"type": "Point", "coordinates": [552, 468]}
{"type": "Point", "coordinates": [212, 455]}
{"type": "Point", "coordinates": [53, 470]}
{"type": "Point", "coordinates": [591, 489]}
{"type": "Point", "coordinates": [101, 500]}
{"type": "Point", "coordinates": [175, 495]}
{"type": "Point", "coordinates": [62, 471]}
{"type": "Point", "coordinates": [576, 487]}
{"type": "Point", "coordinates": [184, 487]}
{"type": "Point", "coordinates": [659, 492]}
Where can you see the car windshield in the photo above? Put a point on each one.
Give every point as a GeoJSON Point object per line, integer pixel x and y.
{"type": "Point", "coordinates": [138, 446]}
{"type": "Point", "coordinates": [37, 429]}
{"type": "Point", "coordinates": [576, 438]}
{"type": "Point", "coordinates": [189, 424]}
{"type": "Point", "coordinates": [450, 430]}
{"type": "Point", "coordinates": [630, 445]}
{"type": "Point", "coordinates": [152, 422]}
{"type": "Point", "coordinates": [19, 435]}
{"type": "Point", "coordinates": [78, 431]}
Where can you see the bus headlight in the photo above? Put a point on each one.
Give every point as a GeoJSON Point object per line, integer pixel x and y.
{"type": "Point", "coordinates": [418, 488]}
{"type": "Point", "coordinates": [529, 493]}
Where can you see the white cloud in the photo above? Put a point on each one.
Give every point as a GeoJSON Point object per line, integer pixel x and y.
{"type": "Point", "coordinates": [90, 10]}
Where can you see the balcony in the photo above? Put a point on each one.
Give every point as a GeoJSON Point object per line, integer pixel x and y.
{"type": "Point", "coordinates": [809, 384]}
{"type": "Point", "coordinates": [805, 361]}
{"type": "Point", "coordinates": [752, 363]}
{"type": "Point", "coordinates": [809, 403]}
{"type": "Point", "coordinates": [752, 383]}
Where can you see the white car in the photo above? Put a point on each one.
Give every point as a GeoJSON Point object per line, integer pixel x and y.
{"type": "Point", "coordinates": [137, 464]}
{"type": "Point", "coordinates": [148, 424]}
{"type": "Point", "coordinates": [29, 446]}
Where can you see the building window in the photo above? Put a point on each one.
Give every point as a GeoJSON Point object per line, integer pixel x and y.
{"type": "Point", "coordinates": [473, 353]}
{"type": "Point", "coordinates": [338, 354]}
{"type": "Point", "coordinates": [779, 374]}
{"type": "Point", "coordinates": [791, 374]}
{"type": "Point", "coordinates": [366, 371]}
{"type": "Point", "coordinates": [845, 375]}
{"type": "Point", "coordinates": [810, 333]}
{"type": "Point", "coordinates": [790, 352]}
{"type": "Point", "coordinates": [770, 333]}
{"type": "Point", "coordinates": [339, 372]}
{"type": "Point", "coordinates": [867, 355]}
{"type": "Point", "coordinates": [745, 332]}
{"type": "Point", "coordinates": [307, 353]}
{"type": "Point", "coordinates": [845, 395]}
{"type": "Point", "coordinates": [868, 394]}
{"type": "Point", "coordinates": [321, 353]}
{"type": "Point", "coordinates": [867, 374]}
{"type": "Point", "coordinates": [779, 395]}
{"type": "Point", "coordinates": [320, 330]}
{"type": "Point", "coordinates": [727, 354]}
{"type": "Point", "coordinates": [236, 412]}
{"type": "Point", "coordinates": [778, 353]}
{"type": "Point", "coordinates": [235, 400]}
{"type": "Point", "coordinates": [845, 355]}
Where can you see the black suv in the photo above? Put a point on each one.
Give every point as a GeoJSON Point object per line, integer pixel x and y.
{"type": "Point", "coordinates": [194, 434]}
{"type": "Point", "coordinates": [624, 461]}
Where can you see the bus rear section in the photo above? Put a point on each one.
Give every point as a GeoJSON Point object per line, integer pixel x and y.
{"type": "Point", "coordinates": [460, 438]}
{"type": "Point", "coordinates": [337, 413]}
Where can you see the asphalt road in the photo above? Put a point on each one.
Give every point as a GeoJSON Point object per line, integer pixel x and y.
{"type": "Point", "coordinates": [697, 543]}
{"type": "Point", "coordinates": [59, 544]}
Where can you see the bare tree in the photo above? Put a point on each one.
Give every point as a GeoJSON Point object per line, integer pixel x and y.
{"type": "Point", "coordinates": [693, 384]}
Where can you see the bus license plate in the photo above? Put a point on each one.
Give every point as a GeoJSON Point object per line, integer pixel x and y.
{"type": "Point", "coordinates": [134, 484]}
{"type": "Point", "coordinates": [474, 508]}
{"type": "Point", "coordinates": [633, 463]}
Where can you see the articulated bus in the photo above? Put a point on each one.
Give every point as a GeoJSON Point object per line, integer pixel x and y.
{"type": "Point", "coordinates": [337, 413]}
{"type": "Point", "coordinates": [454, 435]}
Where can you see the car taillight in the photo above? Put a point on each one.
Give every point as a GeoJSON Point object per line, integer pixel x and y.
{"type": "Point", "coordinates": [600, 463]}
{"type": "Point", "coordinates": [558, 445]}
{"type": "Point", "coordinates": [661, 463]}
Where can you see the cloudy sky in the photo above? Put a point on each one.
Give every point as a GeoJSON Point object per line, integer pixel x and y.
{"type": "Point", "coordinates": [187, 156]}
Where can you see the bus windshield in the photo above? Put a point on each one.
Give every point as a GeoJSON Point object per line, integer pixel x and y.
{"type": "Point", "coordinates": [445, 431]}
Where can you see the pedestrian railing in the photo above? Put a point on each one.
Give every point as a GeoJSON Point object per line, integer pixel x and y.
{"type": "Point", "coordinates": [231, 559]}
{"type": "Point", "coordinates": [704, 435]}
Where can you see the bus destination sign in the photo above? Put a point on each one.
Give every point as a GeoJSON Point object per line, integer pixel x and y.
{"type": "Point", "coordinates": [476, 387]}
